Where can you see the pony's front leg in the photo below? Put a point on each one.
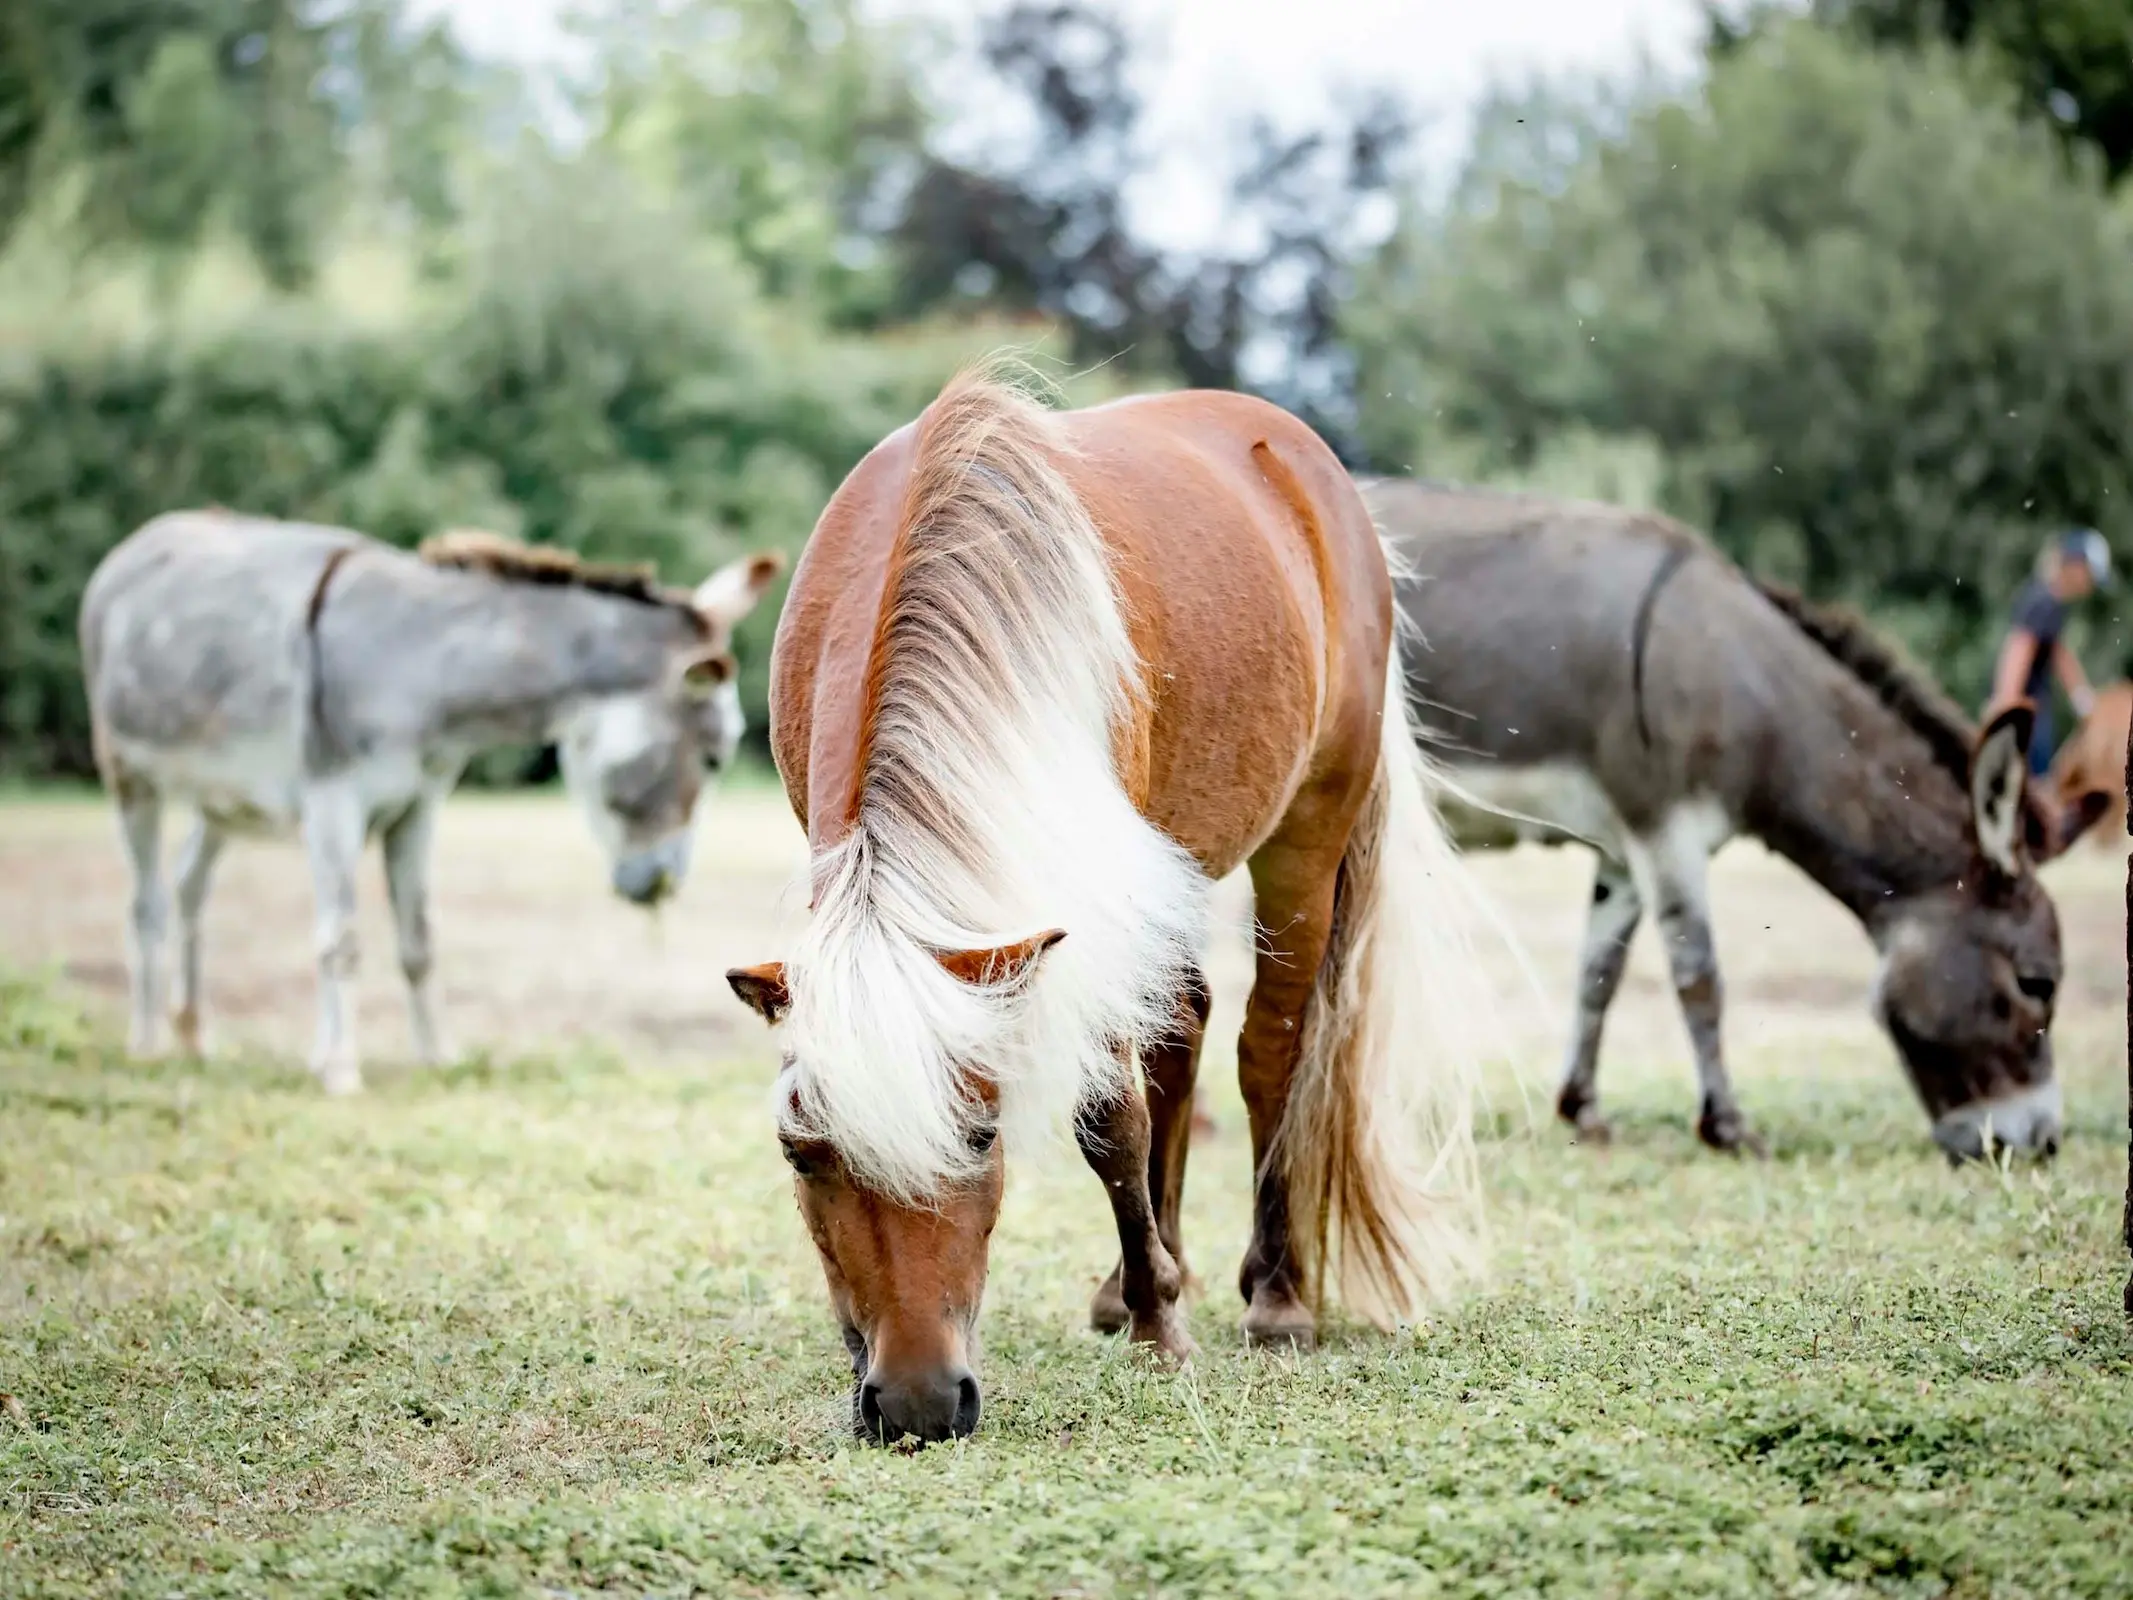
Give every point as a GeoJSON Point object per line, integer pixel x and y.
{"type": "Point", "coordinates": [333, 840]}
{"type": "Point", "coordinates": [1172, 1068]}
{"type": "Point", "coordinates": [1114, 1141]}
{"type": "Point", "coordinates": [407, 858]}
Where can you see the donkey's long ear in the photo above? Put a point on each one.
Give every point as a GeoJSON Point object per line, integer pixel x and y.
{"type": "Point", "coordinates": [762, 989]}
{"type": "Point", "coordinates": [730, 593]}
{"type": "Point", "coordinates": [1997, 773]}
{"type": "Point", "coordinates": [1007, 963]}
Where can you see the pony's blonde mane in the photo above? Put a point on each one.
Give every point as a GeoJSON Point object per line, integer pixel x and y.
{"type": "Point", "coordinates": [987, 808]}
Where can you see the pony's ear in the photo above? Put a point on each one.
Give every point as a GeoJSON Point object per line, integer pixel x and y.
{"type": "Point", "coordinates": [1998, 770]}
{"type": "Point", "coordinates": [1007, 963]}
{"type": "Point", "coordinates": [730, 593]}
{"type": "Point", "coordinates": [762, 989]}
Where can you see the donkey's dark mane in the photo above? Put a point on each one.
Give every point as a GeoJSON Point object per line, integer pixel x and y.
{"type": "Point", "coordinates": [1905, 688]}
{"type": "Point", "coordinates": [476, 550]}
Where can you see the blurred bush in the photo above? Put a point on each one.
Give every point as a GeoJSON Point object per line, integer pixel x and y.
{"type": "Point", "coordinates": [601, 381]}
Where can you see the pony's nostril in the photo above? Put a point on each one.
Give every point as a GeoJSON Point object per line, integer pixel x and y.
{"type": "Point", "coordinates": [967, 1405]}
{"type": "Point", "coordinates": [870, 1419]}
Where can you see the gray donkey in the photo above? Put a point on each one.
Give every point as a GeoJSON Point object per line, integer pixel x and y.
{"type": "Point", "coordinates": [1610, 677]}
{"type": "Point", "coordinates": [289, 677]}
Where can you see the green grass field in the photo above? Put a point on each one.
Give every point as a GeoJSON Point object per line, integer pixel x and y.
{"type": "Point", "coordinates": [547, 1324]}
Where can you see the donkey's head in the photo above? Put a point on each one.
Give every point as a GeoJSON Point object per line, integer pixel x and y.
{"type": "Point", "coordinates": [637, 761]}
{"type": "Point", "coordinates": [1970, 970]}
{"type": "Point", "coordinates": [906, 1274]}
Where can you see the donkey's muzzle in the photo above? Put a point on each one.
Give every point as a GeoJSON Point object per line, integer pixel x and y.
{"type": "Point", "coordinates": [2029, 1121]}
{"type": "Point", "coordinates": [941, 1405]}
{"type": "Point", "coordinates": [649, 876]}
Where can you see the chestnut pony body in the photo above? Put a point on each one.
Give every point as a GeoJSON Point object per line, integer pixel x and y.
{"type": "Point", "coordinates": [1042, 677]}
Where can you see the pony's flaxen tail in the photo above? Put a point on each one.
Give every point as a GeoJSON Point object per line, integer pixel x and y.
{"type": "Point", "coordinates": [1377, 1143]}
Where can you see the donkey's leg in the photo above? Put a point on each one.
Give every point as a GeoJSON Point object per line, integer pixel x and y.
{"type": "Point", "coordinates": [196, 869]}
{"type": "Point", "coordinates": [407, 859]}
{"type": "Point", "coordinates": [1171, 1069]}
{"type": "Point", "coordinates": [1114, 1141]}
{"type": "Point", "coordinates": [1676, 865]}
{"type": "Point", "coordinates": [333, 839]}
{"type": "Point", "coordinates": [1294, 921]}
{"type": "Point", "coordinates": [1610, 925]}
{"type": "Point", "coordinates": [140, 811]}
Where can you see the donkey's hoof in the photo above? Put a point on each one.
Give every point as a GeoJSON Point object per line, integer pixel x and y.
{"type": "Point", "coordinates": [187, 1036]}
{"type": "Point", "coordinates": [1724, 1128]}
{"type": "Point", "coordinates": [338, 1076]}
{"type": "Point", "coordinates": [1576, 1106]}
{"type": "Point", "coordinates": [1107, 1309]}
{"type": "Point", "coordinates": [1279, 1322]}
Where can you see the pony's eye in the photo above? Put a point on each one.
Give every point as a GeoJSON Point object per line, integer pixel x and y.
{"type": "Point", "coordinates": [2040, 990]}
{"type": "Point", "coordinates": [796, 1158]}
{"type": "Point", "coordinates": [983, 1136]}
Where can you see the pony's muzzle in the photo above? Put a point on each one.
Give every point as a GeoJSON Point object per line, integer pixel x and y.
{"type": "Point", "coordinates": [940, 1405]}
{"type": "Point", "coordinates": [648, 876]}
{"type": "Point", "coordinates": [2029, 1121]}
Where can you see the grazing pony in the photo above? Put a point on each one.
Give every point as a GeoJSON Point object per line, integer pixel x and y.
{"type": "Point", "coordinates": [1609, 677]}
{"type": "Point", "coordinates": [285, 677]}
{"type": "Point", "coordinates": [2089, 760]}
{"type": "Point", "coordinates": [1041, 679]}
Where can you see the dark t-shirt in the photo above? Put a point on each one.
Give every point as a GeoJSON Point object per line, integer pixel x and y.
{"type": "Point", "coordinates": [2040, 612]}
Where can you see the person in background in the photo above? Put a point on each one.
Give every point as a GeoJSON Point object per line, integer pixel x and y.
{"type": "Point", "coordinates": [2071, 567]}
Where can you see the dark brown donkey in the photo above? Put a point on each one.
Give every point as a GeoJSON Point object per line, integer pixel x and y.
{"type": "Point", "coordinates": [1041, 679]}
{"type": "Point", "coordinates": [1612, 677]}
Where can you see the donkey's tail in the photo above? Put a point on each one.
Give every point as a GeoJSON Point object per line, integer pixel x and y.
{"type": "Point", "coordinates": [1377, 1143]}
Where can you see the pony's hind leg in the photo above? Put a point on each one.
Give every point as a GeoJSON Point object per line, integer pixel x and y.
{"type": "Point", "coordinates": [1114, 1141]}
{"type": "Point", "coordinates": [140, 811]}
{"type": "Point", "coordinates": [1171, 1069]}
{"type": "Point", "coordinates": [196, 868]}
{"type": "Point", "coordinates": [1610, 925]}
{"type": "Point", "coordinates": [407, 855]}
{"type": "Point", "coordinates": [1294, 893]}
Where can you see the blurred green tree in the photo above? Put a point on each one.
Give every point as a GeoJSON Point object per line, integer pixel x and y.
{"type": "Point", "coordinates": [787, 127]}
{"type": "Point", "coordinates": [2072, 60]}
{"type": "Point", "coordinates": [1877, 329]}
{"type": "Point", "coordinates": [154, 121]}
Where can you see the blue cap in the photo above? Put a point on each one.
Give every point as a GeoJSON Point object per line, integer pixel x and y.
{"type": "Point", "coordinates": [2087, 546]}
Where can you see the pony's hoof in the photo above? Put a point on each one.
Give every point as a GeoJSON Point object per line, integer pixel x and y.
{"type": "Point", "coordinates": [1724, 1128]}
{"type": "Point", "coordinates": [1279, 1323]}
{"type": "Point", "coordinates": [1166, 1333]}
{"type": "Point", "coordinates": [1107, 1310]}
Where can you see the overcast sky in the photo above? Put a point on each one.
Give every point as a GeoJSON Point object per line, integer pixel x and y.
{"type": "Point", "coordinates": [1212, 60]}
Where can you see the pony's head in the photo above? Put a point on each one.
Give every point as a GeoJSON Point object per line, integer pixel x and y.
{"type": "Point", "coordinates": [903, 1226]}
{"type": "Point", "coordinates": [637, 761]}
